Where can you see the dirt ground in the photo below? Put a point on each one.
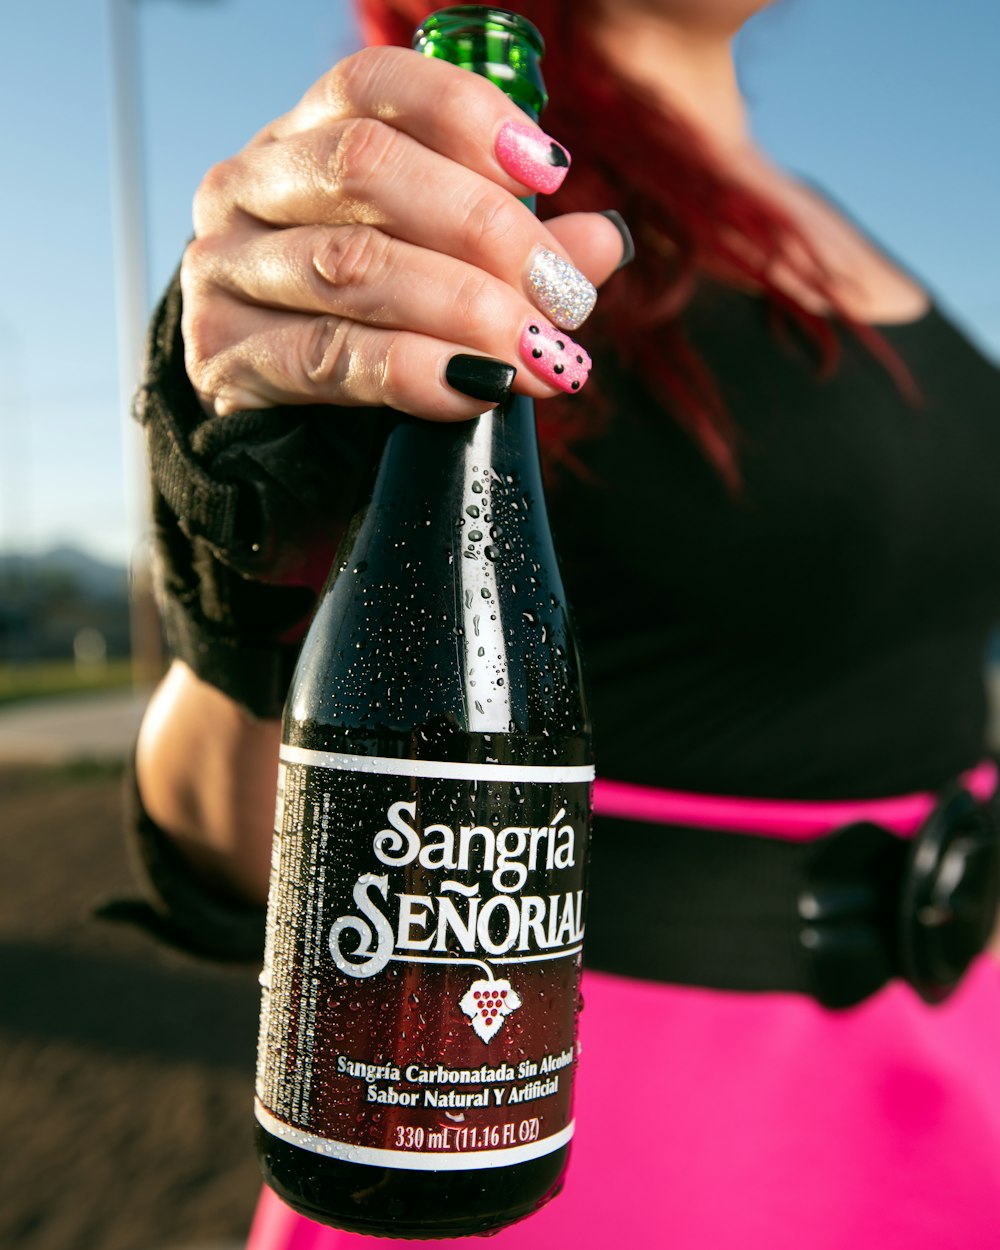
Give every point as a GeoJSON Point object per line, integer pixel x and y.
{"type": "Point", "coordinates": [125, 1070]}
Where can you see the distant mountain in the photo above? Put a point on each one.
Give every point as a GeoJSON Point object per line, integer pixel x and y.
{"type": "Point", "coordinates": [48, 597]}
{"type": "Point", "coordinates": [96, 578]}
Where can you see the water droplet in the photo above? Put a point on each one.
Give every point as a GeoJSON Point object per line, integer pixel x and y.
{"type": "Point", "coordinates": [491, 552]}
{"type": "Point", "coordinates": [477, 488]}
{"type": "Point", "coordinates": [472, 510]}
{"type": "Point", "coordinates": [475, 535]}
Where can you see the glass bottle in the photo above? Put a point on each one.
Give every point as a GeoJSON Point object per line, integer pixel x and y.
{"type": "Point", "coordinates": [426, 914]}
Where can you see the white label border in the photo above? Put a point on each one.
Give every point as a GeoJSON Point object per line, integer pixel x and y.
{"type": "Point", "coordinates": [444, 769]}
{"type": "Point", "coordinates": [411, 1160]}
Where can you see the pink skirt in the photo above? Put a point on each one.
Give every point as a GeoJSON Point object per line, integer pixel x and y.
{"type": "Point", "coordinates": [709, 1120]}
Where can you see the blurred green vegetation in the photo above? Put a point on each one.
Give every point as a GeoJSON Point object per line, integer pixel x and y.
{"type": "Point", "coordinates": [34, 679]}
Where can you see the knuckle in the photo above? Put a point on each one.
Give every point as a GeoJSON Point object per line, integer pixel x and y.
{"type": "Point", "coordinates": [348, 256]}
{"type": "Point", "coordinates": [398, 366]}
{"type": "Point", "coordinates": [477, 307]}
{"type": "Point", "coordinates": [347, 79]}
{"type": "Point", "coordinates": [461, 95]}
{"type": "Point", "coordinates": [201, 345]}
{"type": "Point", "coordinates": [214, 190]}
{"type": "Point", "coordinates": [360, 149]}
{"type": "Point", "coordinates": [488, 222]}
{"type": "Point", "coordinates": [197, 265]}
{"type": "Point", "coordinates": [325, 352]}
{"type": "Point", "coordinates": [202, 329]}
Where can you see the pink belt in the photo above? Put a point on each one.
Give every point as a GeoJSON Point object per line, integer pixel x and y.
{"type": "Point", "coordinates": [778, 818]}
{"type": "Point", "coordinates": [832, 899]}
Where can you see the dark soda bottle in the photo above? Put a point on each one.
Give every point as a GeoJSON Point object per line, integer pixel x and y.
{"type": "Point", "coordinates": [420, 988]}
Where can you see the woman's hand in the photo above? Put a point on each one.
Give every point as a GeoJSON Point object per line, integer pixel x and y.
{"type": "Point", "coordinates": [362, 242]}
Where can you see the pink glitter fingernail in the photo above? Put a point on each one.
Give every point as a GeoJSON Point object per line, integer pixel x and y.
{"type": "Point", "coordinates": [554, 356]}
{"type": "Point", "coordinates": [532, 157]}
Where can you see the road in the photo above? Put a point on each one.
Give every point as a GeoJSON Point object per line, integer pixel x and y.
{"type": "Point", "coordinates": [61, 730]}
{"type": "Point", "coordinates": [125, 1071]}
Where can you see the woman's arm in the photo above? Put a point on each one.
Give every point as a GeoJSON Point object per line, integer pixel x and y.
{"type": "Point", "coordinates": [206, 771]}
{"type": "Point", "coordinates": [345, 257]}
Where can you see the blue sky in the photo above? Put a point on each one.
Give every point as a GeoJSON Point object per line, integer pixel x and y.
{"type": "Point", "coordinates": [892, 105]}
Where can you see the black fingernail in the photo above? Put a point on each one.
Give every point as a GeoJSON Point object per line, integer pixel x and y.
{"type": "Point", "coordinates": [482, 377]}
{"type": "Point", "coordinates": [628, 244]}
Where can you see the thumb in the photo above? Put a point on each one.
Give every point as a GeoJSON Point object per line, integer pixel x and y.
{"type": "Point", "coordinates": [599, 244]}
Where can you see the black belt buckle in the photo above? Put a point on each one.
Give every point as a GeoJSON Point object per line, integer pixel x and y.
{"type": "Point", "coordinates": [876, 906]}
{"type": "Point", "coordinates": [949, 894]}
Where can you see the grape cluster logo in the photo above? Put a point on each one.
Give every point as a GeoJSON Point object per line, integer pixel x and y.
{"type": "Point", "coordinates": [487, 1004]}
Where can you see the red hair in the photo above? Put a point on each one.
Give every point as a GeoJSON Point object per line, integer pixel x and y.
{"type": "Point", "coordinates": [688, 218]}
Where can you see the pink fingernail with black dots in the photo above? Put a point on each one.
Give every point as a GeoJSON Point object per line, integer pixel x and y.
{"type": "Point", "coordinates": [530, 156]}
{"type": "Point", "coordinates": [554, 357]}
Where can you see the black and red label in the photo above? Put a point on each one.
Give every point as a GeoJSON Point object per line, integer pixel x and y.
{"type": "Point", "coordinates": [420, 988]}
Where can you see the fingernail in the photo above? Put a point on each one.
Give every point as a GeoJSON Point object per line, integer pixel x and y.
{"type": "Point", "coordinates": [554, 357]}
{"type": "Point", "coordinates": [560, 290]}
{"type": "Point", "coordinates": [628, 243]}
{"type": "Point", "coordinates": [482, 377]}
{"type": "Point", "coordinates": [530, 156]}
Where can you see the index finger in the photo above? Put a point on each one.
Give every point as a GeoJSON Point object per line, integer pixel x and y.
{"type": "Point", "coordinates": [454, 112]}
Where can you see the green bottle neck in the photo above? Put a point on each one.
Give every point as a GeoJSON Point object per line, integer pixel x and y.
{"type": "Point", "coordinates": [494, 43]}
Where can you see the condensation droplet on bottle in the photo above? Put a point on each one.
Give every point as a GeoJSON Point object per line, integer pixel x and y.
{"type": "Point", "coordinates": [491, 552]}
{"type": "Point", "coordinates": [475, 535]}
{"type": "Point", "coordinates": [472, 510]}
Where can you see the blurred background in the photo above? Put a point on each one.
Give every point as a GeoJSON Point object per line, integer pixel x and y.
{"type": "Point", "coordinates": [125, 1071]}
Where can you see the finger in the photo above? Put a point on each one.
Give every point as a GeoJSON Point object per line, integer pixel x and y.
{"type": "Point", "coordinates": [364, 172]}
{"type": "Point", "coordinates": [359, 273]}
{"type": "Point", "coordinates": [599, 244]}
{"type": "Point", "coordinates": [275, 357]}
{"type": "Point", "coordinates": [460, 115]}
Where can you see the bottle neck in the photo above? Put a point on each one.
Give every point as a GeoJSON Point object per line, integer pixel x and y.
{"type": "Point", "coordinates": [494, 43]}
{"type": "Point", "coordinates": [502, 441]}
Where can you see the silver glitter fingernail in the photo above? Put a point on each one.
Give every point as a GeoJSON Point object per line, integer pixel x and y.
{"type": "Point", "coordinates": [560, 290]}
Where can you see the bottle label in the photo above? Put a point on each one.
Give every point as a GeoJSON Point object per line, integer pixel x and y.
{"type": "Point", "coordinates": [421, 973]}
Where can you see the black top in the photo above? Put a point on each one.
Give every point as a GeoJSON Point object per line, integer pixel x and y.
{"type": "Point", "coordinates": [823, 634]}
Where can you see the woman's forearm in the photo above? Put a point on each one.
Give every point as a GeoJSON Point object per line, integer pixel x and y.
{"type": "Point", "coordinates": [206, 772]}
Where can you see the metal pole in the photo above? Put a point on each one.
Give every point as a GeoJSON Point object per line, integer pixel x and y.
{"type": "Point", "coordinates": [132, 308]}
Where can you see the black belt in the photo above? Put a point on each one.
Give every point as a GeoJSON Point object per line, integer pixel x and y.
{"type": "Point", "coordinates": [835, 917]}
